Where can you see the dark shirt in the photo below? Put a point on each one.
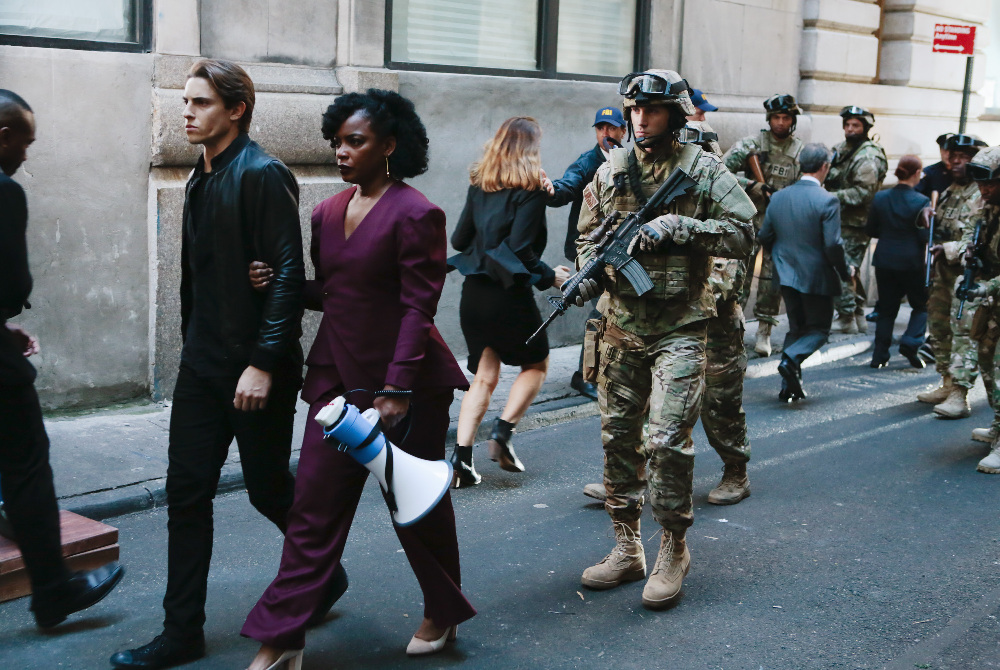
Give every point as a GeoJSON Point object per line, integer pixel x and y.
{"type": "Point", "coordinates": [895, 219]}
{"type": "Point", "coordinates": [569, 189]}
{"type": "Point", "coordinates": [502, 235]}
{"type": "Point", "coordinates": [937, 177]}
{"type": "Point", "coordinates": [15, 280]}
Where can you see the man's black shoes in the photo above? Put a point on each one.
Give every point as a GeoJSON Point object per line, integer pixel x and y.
{"type": "Point", "coordinates": [337, 587]}
{"type": "Point", "coordinates": [914, 355]}
{"type": "Point", "coordinates": [162, 652]}
{"type": "Point", "coordinates": [587, 389]}
{"type": "Point", "coordinates": [791, 387]}
{"type": "Point", "coordinates": [83, 589]}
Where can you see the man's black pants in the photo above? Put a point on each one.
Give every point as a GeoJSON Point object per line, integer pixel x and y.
{"type": "Point", "coordinates": [892, 286]}
{"type": "Point", "coordinates": [203, 423]}
{"type": "Point", "coordinates": [28, 492]}
{"type": "Point", "coordinates": [809, 319]}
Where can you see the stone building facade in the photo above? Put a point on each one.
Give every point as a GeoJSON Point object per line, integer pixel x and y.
{"type": "Point", "coordinates": [105, 179]}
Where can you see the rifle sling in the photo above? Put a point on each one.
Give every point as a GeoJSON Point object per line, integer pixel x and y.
{"type": "Point", "coordinates": [635, 179]}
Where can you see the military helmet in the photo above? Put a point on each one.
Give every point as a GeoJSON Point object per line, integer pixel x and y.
{"type": "Point", "coordinates": [781, 102]}
{"type": "Point", "coordinates": [855, 112]}
{"type": "Point", "coordinates": [656, 87]}
{"type": "Point", "coordinates": [942, 139]}
{"type": "Point", "coordinates": [700, 133]}
{"type": "Point", "coordinates": [985, 166]}
{"type": "Point", "coordinates": [963, 142]}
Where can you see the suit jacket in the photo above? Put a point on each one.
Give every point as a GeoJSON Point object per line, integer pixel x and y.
{"type": "Point", "coordinates": [569, 189]}
{"type": "Point", "coordinates": [802, 229]}
{"type": "Point", "coordinates": [895, 219]}
{"type": "Point", "coordinates": [15, 280]}
{"type": "Point", "coordinates": [378, 291]}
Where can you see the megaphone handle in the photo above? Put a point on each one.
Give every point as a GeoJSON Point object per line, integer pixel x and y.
{"type": "Point", "coordinates": [390, 497]}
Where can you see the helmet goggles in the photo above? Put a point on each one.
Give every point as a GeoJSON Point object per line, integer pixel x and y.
{"type": "Point", "coordinates": [962, 141]}
{"type": "Point", "coordinates": [646, 84]}
{"type": "Point", "coordinates": [689, 135]}
{"type": "Point", "coordinates": [781, 103]}
{"type": "Point", "coordinates": [980, 172]}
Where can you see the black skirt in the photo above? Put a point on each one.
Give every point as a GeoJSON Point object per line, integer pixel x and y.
{"type": "Point", "coordinates": [501, 319]}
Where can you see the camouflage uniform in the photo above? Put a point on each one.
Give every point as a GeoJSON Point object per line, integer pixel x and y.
{"type": "Point", "coordinates": [954, 214]}
{"type": "Point", "coordinates": [722, 413]}
{"type": "Point", "coordinates": [779, 161]}
{"type": "Point", "coordinates": [653, 347]}
{"type": "Point", "coordinates": [855, 177]}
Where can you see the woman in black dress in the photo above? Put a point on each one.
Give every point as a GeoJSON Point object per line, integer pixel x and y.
{"type": "Point", "coordinates": [501, 236]}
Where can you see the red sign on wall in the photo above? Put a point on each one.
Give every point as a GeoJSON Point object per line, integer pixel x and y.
{"type": "Point", "coordinates": [954, 39]}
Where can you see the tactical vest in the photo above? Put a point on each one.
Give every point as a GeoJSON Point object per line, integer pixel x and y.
{"type": "Point", "coordinates": [673, 274]}
{"type": "Point", "coordinates": [842, 164]}
{"type": "Point", "coordinates": [779, 164]}
{"type": "Point", "coordinates": [956, 206]}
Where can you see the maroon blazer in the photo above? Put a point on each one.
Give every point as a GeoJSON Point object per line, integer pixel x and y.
{"type": "Point", "coordinates": [378, 291]}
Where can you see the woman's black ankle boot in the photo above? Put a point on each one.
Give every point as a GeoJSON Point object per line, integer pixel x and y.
{"type": "Point", "coordinates": [502, 448]}
{"type": "Point", "coordinates": [465, 474]}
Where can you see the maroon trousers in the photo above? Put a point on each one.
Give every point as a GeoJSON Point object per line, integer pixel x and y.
{"type": "Point", "coordinates": [328, 487]}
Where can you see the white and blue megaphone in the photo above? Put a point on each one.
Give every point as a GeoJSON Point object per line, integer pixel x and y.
{"type": "Point", "coordinates": [413, 486]}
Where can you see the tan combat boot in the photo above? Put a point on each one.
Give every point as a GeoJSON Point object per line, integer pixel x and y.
{"type": "Point", "coordinates": [846, 324]}
{"type": "Point", "coordinates": [860, 322]}
{"type": "Point", "coordinates": [734, 487]}
{"type": "Point", "coordinates": [956, 406]}
{"type": "Point", "coordinates": [991, 464]}
{"type": "Point", "coordinates": [940, 394]}
{"type": "Point", "coordinates": [763, 343]}
{"type": "Point", "coordinates": [625, 563]}
{"type": "Point", "coordinates": [986, 435]}
{"type": "Point", "coordinates": [595, 491]}
{"type": "Point", "coordinates": [672, 564]}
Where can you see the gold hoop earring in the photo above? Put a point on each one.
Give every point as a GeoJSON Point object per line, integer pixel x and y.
{"type": "Point", "coordinates": [387, 167]}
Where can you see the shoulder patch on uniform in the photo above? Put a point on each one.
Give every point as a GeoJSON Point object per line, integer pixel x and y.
{"type": "Point", "coordinates": [590, 198]}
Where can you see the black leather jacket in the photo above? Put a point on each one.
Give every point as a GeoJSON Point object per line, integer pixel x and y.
{"type": "Point", "coordinates": [255, 216]}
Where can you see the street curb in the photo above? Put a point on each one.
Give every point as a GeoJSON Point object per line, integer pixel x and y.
{"type": "Point", "coordinates": [102, 505]}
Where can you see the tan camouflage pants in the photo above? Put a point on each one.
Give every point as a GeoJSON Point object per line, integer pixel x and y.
{"type": "Point", "coordinates": [853, 297]}
{"type": "Point", "coordinates": [659, 379]}
{"type": "Point", "coordinates": [988, 354]}
{"type": "Point", "coordinates": [940, 297]}
{"type": "Point", "coordinates": [964, 366]}
{"type": "Point", "coordinates": [768, 302]}
{"type": "Point", "coordinates": [722, 413]}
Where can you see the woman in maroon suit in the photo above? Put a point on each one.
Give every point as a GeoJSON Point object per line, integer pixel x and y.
{"type": "Point", "coordinates": [379, 253]}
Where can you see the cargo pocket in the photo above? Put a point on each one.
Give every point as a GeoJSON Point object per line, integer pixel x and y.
{"type": "Point", "coordinates": [592, 350]}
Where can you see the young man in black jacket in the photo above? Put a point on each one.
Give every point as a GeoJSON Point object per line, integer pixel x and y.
{"type": "Point", "coordinates": [24, 446]}
{"type": "Point", "coordinates": [241, 363]}
{"type": "Point", "coordinates": [609, 126]}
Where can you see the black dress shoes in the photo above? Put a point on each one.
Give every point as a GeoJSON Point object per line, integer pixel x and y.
{"type": "Point", "coordinates": [791, 387]}
{"type": "Point", "coordinates": [162, 652]}
{"type": "Point", "coordinates": [588, 389]}
{"type": "Point", "coordinates": [337, 588]}
{"type": "Point", "coordinates": [83, 589]}
{"type": "Point", "coordinates": [913, 355]}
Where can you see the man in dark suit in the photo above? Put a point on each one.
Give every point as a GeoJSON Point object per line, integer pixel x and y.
{"type": "Point", "coordinates": [802, 229]}
{"type": "Point", "coordinates": [609, 125]}
{"type": "Point", "coordinates": [24, 446]}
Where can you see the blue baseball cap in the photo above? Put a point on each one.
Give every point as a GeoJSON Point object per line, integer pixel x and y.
{"type": "Point", "coordinates": [611, 115]}
{"type": "Point", "coordinates": [698, 98]}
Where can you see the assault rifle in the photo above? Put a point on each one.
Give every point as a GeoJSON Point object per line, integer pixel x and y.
{"type": "Point", "coordinates": [930, 240]}
{"type": "Point", "coordinates": [612, 247]}
{"type": "Point", "coordinates": [969, 278]}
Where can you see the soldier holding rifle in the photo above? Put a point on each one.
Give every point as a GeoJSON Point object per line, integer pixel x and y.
{"type": "Point", "coordinates": [770, 162]}
{"type": "Point", "coordinates": [981, 250]}
{"type": "Point", "coordinates": [652, 344]}
{"type": "Point", "coordinates": [955, 356]}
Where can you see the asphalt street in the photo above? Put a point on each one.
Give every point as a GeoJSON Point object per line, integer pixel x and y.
{"type": "Point", "coordinates": [869, 541]}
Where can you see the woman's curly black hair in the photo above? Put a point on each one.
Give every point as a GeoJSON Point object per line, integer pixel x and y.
{"type": "Point", "coordinates": [390, 114]}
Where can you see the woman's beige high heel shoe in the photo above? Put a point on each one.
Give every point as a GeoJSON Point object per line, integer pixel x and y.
{"type": "Point", "coordinates": [418, 647]}
{"type": "Point", "coordinates": [289, 660]}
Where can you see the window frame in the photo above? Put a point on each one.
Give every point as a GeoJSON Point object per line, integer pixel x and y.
{"type": "Point", "coordinates": [546, 45]}
{"type": "Point", "coordinates": [144, 28]}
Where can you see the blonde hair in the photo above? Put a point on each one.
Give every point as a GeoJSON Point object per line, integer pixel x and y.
{"type": "Point", "coordinates": [512, 158]}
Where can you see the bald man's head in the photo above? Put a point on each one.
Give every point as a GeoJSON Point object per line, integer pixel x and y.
{"type": "Point", "coordinates": [17, 131]}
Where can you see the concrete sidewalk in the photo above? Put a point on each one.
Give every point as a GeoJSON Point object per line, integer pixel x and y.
{"type": "Point", "coordinates": [114, 461]}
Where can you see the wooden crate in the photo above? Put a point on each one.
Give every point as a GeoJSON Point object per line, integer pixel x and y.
{"type": "Point", "coordinates": [86, 544]}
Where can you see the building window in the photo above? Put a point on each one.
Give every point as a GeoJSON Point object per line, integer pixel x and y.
{"type": "Point", "coordinates": [547, 38]}
{"type": "Point", "coordinates": [113, 25]}
{"type": "Point", "coordinates": [990, 37]}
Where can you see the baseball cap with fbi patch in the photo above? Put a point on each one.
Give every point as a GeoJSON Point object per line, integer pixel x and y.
{"type": "Point", "coordinates": [611, 115]}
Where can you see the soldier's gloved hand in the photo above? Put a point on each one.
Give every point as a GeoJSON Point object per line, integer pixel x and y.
{"type": "Point", "coordinates": [662, 229]}
{"type": "Point", "coordinates": [755, 189]}
{"type": "Point", "coordinates": [589, 289]}
{"type": "Point", "coordinates": [971, 293]}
